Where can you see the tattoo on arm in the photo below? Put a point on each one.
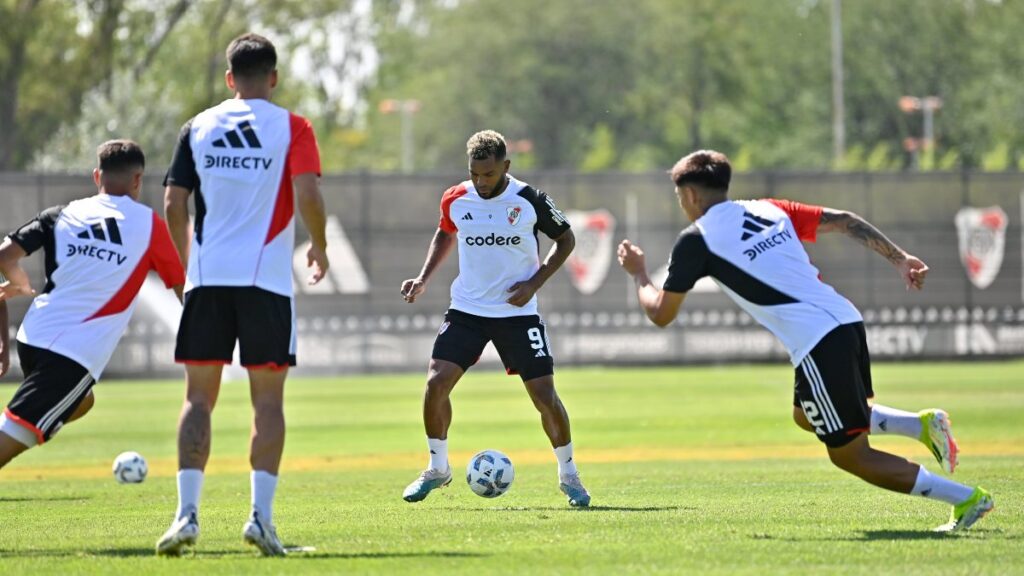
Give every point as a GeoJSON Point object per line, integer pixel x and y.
{"type": "Point", "coordinates": [862, 231]}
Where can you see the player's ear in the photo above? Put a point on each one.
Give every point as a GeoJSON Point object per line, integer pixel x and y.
{"type": "Point", "coordinates": [96, 176]}
{"type": "Point", "coordinates": [229, 79]}
{"type": "Point", "coordinates": [508, 162]}
{"type": "Point", "coordinates": [137, 184]}
{"type": "Point", "coordinates": [273, 79]}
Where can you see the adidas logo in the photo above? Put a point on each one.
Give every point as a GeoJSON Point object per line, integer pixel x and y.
{"type": "Point", "coordinates": [540, 354]}
{"type": "Point", "coordinates": [98, 233]}
{"type": "Point", "coordinates": [233, 140]}
{"type": "Point", "coordinates": [754, 225]}
{"type": "Point", "coordinates": [883, 425]}
{"type": "Point", "coordinates": [468, 216]}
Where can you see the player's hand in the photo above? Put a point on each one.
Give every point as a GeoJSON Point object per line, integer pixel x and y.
{"type": "Point", "coordinates": [913, 272]}
{"type": "Point", "coordinates": [5, 358]}
{"type": "Point", "coordinates": [10, 290]}
{"type": "Point", "coordinates": [631, 258]}
{"type": "Point", "coordinates": [316, 258]}
{"type": "Point", "coordinates": [522, 293]}
{"type": "Point", "coordinates": [412, 288]}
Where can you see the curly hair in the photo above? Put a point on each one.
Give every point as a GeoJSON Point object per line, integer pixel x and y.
{"type": "Point", "coordinates": [485, 144]}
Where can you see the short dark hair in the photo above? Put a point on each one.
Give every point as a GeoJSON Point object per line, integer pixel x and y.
{"type": "Point", "coordinates": [119, 156]}
{"type": "Point", "coordinates": [251, 56]}
{"type": "Point", "coordinates": [485, 144]}
{"type": "Point", "coordinates": [705, 168]}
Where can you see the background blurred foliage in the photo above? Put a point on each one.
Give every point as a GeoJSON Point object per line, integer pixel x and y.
{"type": "Point", "coordinates": [592, 85]}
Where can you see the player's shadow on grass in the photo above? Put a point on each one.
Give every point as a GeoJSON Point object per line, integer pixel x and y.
{"type": "Point", "coordinates": [587, 509]}
{"type": "Point", "coordinates": [205, 553]}
{"type": "Point", "coordinates": [43, 499]}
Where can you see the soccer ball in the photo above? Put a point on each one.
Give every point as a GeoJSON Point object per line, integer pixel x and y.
{"type": "Point", "coordinates": [130, 468]}
{"type": "Point", "coordinates": [489, 474]}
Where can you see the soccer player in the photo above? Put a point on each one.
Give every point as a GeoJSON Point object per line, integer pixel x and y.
{"type": "Point", "coordinates": [494, 218]}
{"type": "Point", "coordinates": [752, 250]}
{"type": "Point", "coordinates": [97, 253]}
{"type": "Point", "coordinates": [246, 161]}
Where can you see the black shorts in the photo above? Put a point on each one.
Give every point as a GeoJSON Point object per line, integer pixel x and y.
{"type": "Point", "coordinates": [521, 342]}
{"type": "Point", "coordinates": [215, 317]}
{"type": "Point", "coordinates": [833, 385]}
{"type": "Point", "coordinates": [53, 388]}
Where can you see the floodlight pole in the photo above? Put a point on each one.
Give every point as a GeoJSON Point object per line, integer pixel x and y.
{"type": "Point", "coordinates": [927, 105]}
{"type": "Point", "coordinates": [838, 108]}
{"type": "Point", "coordinates": [405, 109]}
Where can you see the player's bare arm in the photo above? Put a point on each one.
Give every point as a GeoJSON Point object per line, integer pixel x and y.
{"type": "Point", "coordinates": [440, 246]}
{"type": "Point", "coordinates": [661, 306]}
{"type": "Point", "coordinates": [311, 208]}
{"type": "Point", "coordinates": [5, 341]}
{"type": "Point", "coordinates": [176, 214]}
{"type": "Point", "coordinates": [911, 268]}
{"type": "Point", "coordinates": [522, 292]}
{"type": "Point", "coordinates": [18, 283]}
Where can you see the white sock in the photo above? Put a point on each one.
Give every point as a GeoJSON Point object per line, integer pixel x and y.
{"type": "Point", "coordinates": [566, 465]}
{"type": "Point", "coordinates": [936, 487]}
{"type": "Point", "coordinates": [264, 484]}
{"type": "Point", "coordinates": [885, 420]}
{"type": "Point", "coordinates": [190, 486]}
{"type": "Point", "coordinates": [438, 453]}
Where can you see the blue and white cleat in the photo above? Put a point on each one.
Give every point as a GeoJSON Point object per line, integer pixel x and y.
{"type": "Point", "coordinates": [430, 479]}
{"type": "Point", "coordinates": [571, 486]}
{"type": "Point", "coordinates": [262, 536]}
{"type": "Point", "coordinates": [182, 533]}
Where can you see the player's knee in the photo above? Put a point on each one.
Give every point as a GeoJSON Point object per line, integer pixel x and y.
{"type": "Point", "coordinates": [851, 457]}
{"type": "Point", "coordinates": [544, 396]}
{"type": "Point", "coordinates": [440, 382]}
{"type": "Point", "coordinates": [265, 410]}
{"type": "Point", "coordinates": [199, 402]}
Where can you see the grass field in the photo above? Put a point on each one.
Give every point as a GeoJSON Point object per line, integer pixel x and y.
{"type": "Point", "coordinates": [691, 469]}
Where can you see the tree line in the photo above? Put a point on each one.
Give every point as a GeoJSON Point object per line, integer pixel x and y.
{"type": "Point", "coordinates": [589, 85]}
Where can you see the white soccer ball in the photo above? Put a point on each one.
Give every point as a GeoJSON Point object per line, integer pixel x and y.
{"type": "Point", "coordinates": [489, 474]}
{"type": "Point", "coordinates": [130, 468]}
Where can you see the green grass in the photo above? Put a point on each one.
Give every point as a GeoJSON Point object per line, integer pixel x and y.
{"type": "Point", "coordinates": [691, 469]}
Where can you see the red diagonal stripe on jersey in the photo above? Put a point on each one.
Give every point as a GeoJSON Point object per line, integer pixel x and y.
{"type": "Point", "coordinates": [284, 207]}
{"type": "Point", "coordinates": [124, 297]}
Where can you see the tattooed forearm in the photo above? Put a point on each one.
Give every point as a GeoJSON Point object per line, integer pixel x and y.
{"type": "Point", "coordinates": [862, 231]}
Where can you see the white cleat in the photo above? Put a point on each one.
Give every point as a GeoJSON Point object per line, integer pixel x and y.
{"type": "Point", "coordinates": [429, 480]}
{"type": "Point", "coordinates": [262, 536]}
{"type": "Point", "coordinates": [183, 533]}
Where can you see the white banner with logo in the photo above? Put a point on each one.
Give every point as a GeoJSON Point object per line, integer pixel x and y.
{"type": "Point", "coordinates": [982, 239]}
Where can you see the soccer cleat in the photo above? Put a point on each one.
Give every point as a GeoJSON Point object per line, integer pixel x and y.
{"type": "Point", "coordinates": [429, 480]}
{"type": "Point", "coordinates": [262, 536]}
{"type": "Point", "coordinates": [937, 436]}
{"type": "Point", "coordinates": [966, 513]}
{"type": "Point", "coordinates": [183, 532]}
{"type": "Point", "coordinates": [571, 486]}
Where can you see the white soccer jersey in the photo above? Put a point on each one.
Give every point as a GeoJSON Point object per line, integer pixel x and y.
{"type": "Point", "coordinates": [98, 251]}
{"type": "Point", "coordinates": [497, 244]}
{"type": "Point", "coordinates": [752, 250]}
{"type": "Point", "coordinates": [239, 158]}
